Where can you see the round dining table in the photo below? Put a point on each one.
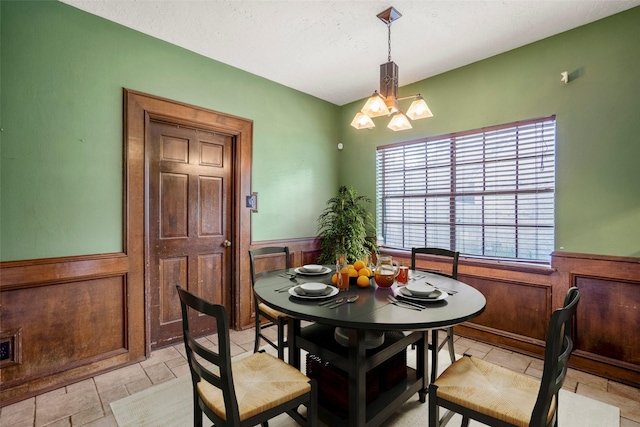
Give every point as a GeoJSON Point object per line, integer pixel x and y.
{"type": "Point", "coordinates": [371, 312]}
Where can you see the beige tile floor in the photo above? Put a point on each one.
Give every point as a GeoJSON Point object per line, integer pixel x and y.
{"type": "Point", "coordinates": [86, 403]}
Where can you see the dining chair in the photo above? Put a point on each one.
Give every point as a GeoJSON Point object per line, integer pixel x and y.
{"type": "Point", "coordinates": [263, 311]}
{"type": "Point", "coordinates": [435, 347]}
{"type": "Point", "coordinates": [246, 392]}
{"type": "Point", "coordinates": [497, 396]}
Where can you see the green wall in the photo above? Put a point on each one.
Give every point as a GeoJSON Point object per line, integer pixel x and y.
{"type": "Point", "coordinates": [62, 74]}
{"type": "Point", "coordinates": [598, 125]}
{"type": "Point", "coordinates": [61, 77]}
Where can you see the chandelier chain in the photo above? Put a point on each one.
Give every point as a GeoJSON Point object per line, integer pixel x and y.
{"type": "Point", "coordinates": [389, 41]}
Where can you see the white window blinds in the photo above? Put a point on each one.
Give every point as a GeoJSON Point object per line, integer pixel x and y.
{"type": "Point", "coordinates": [486, 193]}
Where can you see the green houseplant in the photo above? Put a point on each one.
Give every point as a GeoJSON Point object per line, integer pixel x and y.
{"type": "Point", "coordinates": [345, 226]}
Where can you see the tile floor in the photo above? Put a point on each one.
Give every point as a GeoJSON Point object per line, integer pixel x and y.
{"type": "Point", "coordinates": [86, 403]}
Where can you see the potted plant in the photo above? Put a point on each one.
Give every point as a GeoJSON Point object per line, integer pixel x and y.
{"type": "Point", "coordinates": [345, 226]}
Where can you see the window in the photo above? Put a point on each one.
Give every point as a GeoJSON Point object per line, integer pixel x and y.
{"type": "Point", "coordinates": [486, 193]}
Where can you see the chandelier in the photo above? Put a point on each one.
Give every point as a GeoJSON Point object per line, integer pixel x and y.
{"type": "Point", "coordinates": [385, 102]}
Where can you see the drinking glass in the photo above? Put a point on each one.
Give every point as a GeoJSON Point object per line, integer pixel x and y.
{"type": "Point", "coordinates": [367, 260]}
{"type": "Point", "coordinates": [342, 270]}
{"type": "Point", "coordinates": [403, 274]}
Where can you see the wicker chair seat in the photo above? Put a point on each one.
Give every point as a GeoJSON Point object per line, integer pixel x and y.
{"type": "Point", "coordinates": [491, 390]}
{"type": "Point", "coordinates": [261, 382]}
{"type": "Point", "coordinates": [271, 312]}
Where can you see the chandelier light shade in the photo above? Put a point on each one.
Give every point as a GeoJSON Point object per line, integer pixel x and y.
{"type": "Point", "coordinates": [385, 102]}
{"type": "Point", "coordinates": [375, 106]}
{"type": "Point", "coordinates": [362, 121]}
{"type": "Point", "coordinates": [399, 122]}
{"type": "Point", "coordinates": [419, 109]}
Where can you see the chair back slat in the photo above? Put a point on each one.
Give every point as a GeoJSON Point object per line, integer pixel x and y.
{"type": "Point", "coordinates": [208, 355]}
{"type": "Point", "coordinates": [559, 345]}
{"type": "Point", "coordinates": [438, 252]}
{"type": "Point", "coordinates": [254, 254]}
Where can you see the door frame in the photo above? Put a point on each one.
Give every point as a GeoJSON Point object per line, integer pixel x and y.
{"type": "Point", "coordinates": [138, 109]}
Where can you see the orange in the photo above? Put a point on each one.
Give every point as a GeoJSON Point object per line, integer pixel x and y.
{"type": "Point", "coordinates": [363, 281]}
{"type": "Point", "coordinates": [353, 272]}
{"type": "Point", "coordinates": [365, 272]}
{"type": "Point", "coordinates": [358, 265]}
{"type": "Point", "coordinates": [334, 278]}
{"type": "Point", "coordinates": [344, 269]}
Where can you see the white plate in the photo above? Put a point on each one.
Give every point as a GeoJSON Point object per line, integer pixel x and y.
{"type": "Point", "coordinates": [301, 270]}
{"type": "Point", "coordinates": [405, 293]}
{"type": "Point", "coordinates": [333, 292]}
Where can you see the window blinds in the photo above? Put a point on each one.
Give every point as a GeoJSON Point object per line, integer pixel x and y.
{"type": "Point", "coordinates": [486, 193]}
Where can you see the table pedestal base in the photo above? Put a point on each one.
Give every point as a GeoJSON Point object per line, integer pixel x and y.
{"type": "Point", "coordinates": [358, 368]}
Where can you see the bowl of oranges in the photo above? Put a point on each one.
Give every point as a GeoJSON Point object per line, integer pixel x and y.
{"type": "Point", "coordinates": [359, 274]}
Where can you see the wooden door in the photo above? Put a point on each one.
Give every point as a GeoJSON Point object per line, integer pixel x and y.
{"type": "Point", "coordinates": [189, 188]}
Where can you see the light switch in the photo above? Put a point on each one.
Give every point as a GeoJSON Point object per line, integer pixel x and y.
{"type": "Point", "coordinates": [252, 202]}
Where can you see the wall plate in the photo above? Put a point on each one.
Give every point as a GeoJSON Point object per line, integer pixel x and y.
{"type": "Point", "coordinates": [11, 347]}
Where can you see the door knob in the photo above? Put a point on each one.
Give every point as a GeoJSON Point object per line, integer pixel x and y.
{"type": "Point", "coordinates": [226, 243]}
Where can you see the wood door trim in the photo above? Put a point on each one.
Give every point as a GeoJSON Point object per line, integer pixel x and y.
{"type": "Point", "coordinates": [138, 108]}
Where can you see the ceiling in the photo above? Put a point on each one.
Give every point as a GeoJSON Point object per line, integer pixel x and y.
{"type": "Point", "coordinates": [333, 49]}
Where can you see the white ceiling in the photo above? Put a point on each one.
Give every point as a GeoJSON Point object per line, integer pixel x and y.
{"type": "Point", "coordinates": [333, 49]}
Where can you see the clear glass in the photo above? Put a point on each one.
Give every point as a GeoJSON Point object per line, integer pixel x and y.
{"type": "Point", "coordinates": [342, 270]}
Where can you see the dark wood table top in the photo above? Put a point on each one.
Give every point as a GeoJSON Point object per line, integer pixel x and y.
{"type": "Point", "coordinates": [372, 310]}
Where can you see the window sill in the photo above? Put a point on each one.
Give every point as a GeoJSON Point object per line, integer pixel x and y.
{"type": "Point", "coordinates": [524, 267]}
